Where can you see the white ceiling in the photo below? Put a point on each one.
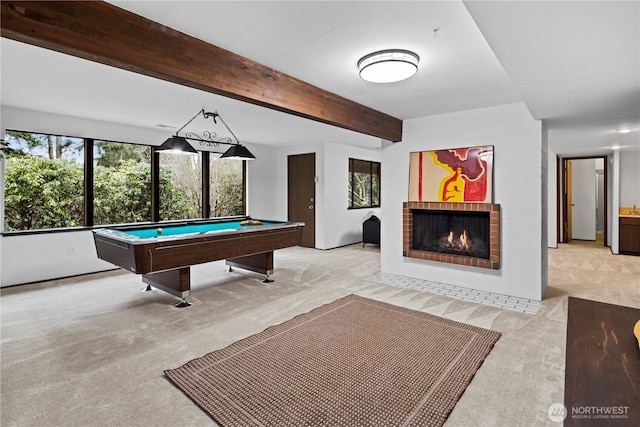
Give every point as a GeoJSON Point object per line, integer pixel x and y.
{"type": "Point", "coordinates": [574, 64]}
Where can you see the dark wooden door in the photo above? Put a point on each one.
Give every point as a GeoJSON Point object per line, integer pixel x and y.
{"type": "Point", "coordinates": [301, 195]}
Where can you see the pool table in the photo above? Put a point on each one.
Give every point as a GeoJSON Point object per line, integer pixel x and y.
{"type": "Point", "coordinates": [163, 252]}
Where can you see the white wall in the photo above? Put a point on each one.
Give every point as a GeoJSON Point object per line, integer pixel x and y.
{"type": "Point", "coordinates": [614, 163]}
{"type": "Point", "coordinates": [518, 168]}
{"type": "Point", "coordinates": [45, 256]}
{"type": "Point", "coordinates": [630, 179]}
{"type": "Point", "coordinates": [263, 197]}
{"type": "Point", "coordinates": [552, 200]}
{"type": "Point", "coordinates": [335, 224]}
{"type": "Point", "coordinates": [343, 226]}
{"type": "Point", "coordinates": [609, 203]}
{"type": "Point", "coordinates": [545, 202]}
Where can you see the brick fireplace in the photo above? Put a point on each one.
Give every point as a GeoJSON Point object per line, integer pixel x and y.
{"type": "Point", "coordinates": [454, 233]}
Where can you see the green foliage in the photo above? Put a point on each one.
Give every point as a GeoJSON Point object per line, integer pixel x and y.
{"type": "Point", "coordinates": [364, 190]}
{"type": "Point", "coordinates": [226, 188]}
{"type": "Point", "coordinates": [174, 203]}
{"type": "Point", "coordinates": [43, 190]}
{"type": "Point", "coordinates": [122, 195]}
{"type": "Point", "coordinates": [43, 193]}
{"type": "Point", "coordinates": [364, 183]}
{"type": "Point", "coordinates": [183, 172]}
{"type": "Point", "coordinates": [112, 154]}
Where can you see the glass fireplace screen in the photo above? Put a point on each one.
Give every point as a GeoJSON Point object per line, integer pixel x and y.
{"type": "Point", "coordinates": [451, 232]}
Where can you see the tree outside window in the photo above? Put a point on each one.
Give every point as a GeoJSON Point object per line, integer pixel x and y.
{"type": "Point", "coordinates": [44, 178]}
{"type": "Point", "coordinates": [122, 183]}
{"type": "Point", "coordinates": [181, 172]}
{"type": "Point", "coordinates": [226, 195]}
{"type": "Point", "coordinates": [364, 184]}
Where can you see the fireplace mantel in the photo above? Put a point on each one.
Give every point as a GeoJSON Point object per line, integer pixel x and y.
{"type": "Point", "coordinates": [493, 262]}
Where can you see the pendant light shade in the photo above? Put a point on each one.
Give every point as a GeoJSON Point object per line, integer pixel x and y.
{"type": "Point", "coordinates": [238, 152]}
{"type": "Point", "coordinates": [388, 66]}
{"type": "Point", "coordinates": [177, 144]}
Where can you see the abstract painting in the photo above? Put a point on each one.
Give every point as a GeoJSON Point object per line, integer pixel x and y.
{"type": "Point", "coordinates": [452, 175]}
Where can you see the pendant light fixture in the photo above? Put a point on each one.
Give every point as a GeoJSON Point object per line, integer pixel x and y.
{"type": "Point", "coordinates": [238, 152]}
{"type": "Point", "coordinates": [388, 66]}
{"type": "Point", "coordinates": [180, 144]}
{"type": "Point", "coordinates": [176, 144]}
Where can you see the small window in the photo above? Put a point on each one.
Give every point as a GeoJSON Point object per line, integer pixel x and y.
{"type": "Point", "coordinates": [364, 184]}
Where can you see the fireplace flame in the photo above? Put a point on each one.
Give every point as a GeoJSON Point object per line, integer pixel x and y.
{"type": "Point", "coordinates": [463, 240]}
{"type": "Point", "coordinates": [462, 243]}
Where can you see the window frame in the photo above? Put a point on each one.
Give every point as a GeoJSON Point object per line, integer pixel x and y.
{"type": "Point", "coordinates": [88, 182]}
{"type": "Point", "coordinates": [5, 147]}
{"type": "Point", "coordinates": [373, 166]}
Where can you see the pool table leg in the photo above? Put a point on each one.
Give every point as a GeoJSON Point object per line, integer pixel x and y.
{"type": "Point", "coordinates": [176, 282]}
{"type": "Point", "coordinates": [260, 263]}
{"type": "Point", "coordinates": [183, 303]}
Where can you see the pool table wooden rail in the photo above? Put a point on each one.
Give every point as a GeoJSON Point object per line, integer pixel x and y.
{"type": "Point", "coordinates": [166, 255]}
{"type": "Point", "coordinates": [165, 262]}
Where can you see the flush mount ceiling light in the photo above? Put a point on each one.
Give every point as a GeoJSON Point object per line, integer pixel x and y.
{"type": "Point", "coordinates": [388, 66]}
{"type": "Point", "coordinates": [624, 130]}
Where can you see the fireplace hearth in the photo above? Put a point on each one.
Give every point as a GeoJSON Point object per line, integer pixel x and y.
{"type": "Point", "coordinates": [456, 233]}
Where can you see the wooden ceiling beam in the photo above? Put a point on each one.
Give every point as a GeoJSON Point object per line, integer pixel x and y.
{"type": "Point", "coordinates": [104, 33]}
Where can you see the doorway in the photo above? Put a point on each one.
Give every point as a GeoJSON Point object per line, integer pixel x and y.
{"type": "Point", "coordinates": [583, 210]}
{"type": "Point", "coordinates": [301, 195]}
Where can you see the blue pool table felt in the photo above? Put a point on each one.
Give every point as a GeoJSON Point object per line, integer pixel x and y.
{"type": "Point", "coordinates": [169, 230]}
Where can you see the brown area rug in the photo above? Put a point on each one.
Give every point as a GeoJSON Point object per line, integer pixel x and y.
{"type": "Point", "coordinates": [353, 362]}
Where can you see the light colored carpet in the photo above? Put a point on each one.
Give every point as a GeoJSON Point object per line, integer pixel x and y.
{"type": "Point", "coordinates": [91, 350]}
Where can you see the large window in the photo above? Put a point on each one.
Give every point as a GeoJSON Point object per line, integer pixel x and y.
{"type": "Point", "coordinates": [180, 186]}
{"type": "Point", "coordinates": [44, 176]}
{"type": "Point", "coordinates": [64, 182]}
{"type": "Point", "coordinates": [364, 184]}
{"type": "Point", "coordinates": [121, 183]}
{"type": "Point", "coordinates": [227, 183]}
